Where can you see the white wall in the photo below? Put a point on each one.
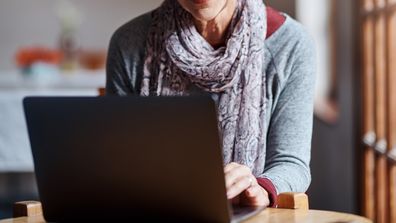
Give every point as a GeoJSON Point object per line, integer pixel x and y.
{"type": "Point", "coordinates": [315, 15]}
{"type": "Point", "coordinates": [30, 22]}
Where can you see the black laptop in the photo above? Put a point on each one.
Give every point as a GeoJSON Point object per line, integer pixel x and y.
{"type": "Point", "coordinates": [139, 159]}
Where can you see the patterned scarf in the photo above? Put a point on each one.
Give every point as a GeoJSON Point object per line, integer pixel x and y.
{"type": "Point", "coordinates": [177, 56]}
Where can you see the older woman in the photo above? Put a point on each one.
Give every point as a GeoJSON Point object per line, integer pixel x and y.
{"type": "Point", "coordinates": [257, 64]}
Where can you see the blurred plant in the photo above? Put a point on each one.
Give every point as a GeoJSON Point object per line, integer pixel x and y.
{"type": "Point", "coordinates": [69, 16]}
{"type": "Point", "coordinates": [70, 20]}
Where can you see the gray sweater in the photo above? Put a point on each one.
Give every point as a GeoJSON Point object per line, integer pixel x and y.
{"type": "Point", "coordinates": [290, 72]}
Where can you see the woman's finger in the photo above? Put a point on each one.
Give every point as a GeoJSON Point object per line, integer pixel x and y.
{"type": "Point", "coordinates": [229, 167]}
{"type": "Point", "coordinates": [239, 186]}
{"type": "Point", "coordinates": [253, 191]}
{"type": "Point", "coordinates": [236, 173]}
{"type": "Point", "coordinates": [255, 196]}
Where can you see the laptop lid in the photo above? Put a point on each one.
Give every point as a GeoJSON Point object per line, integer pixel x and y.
{"type": "Point", "coordinates": [127, 157]}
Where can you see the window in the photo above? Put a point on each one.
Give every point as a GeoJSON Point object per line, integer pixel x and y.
{"type": "Point", "coordinates": [378, 19]}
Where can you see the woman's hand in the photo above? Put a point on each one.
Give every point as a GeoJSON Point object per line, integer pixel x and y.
{"type": "Point", "coordinates": [242, 186]}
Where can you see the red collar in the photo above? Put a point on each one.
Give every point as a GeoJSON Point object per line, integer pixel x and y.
{"type": "Point", "coordinates": [274, 21]}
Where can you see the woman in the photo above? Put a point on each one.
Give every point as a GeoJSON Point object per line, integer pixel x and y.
{"type": "Point", "coordinates": [257, 64]}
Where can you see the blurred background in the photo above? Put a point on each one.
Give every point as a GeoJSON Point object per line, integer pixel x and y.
{"type": "Point", "coordinates": [49, 47]}
{"type": "Point", "coordinates": [58, 47]}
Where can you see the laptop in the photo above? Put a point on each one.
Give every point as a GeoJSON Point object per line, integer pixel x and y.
{"type": "Point", "coordinates": [129, 158]}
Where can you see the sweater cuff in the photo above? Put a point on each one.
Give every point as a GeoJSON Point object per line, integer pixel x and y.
{"type": "Point", "coordinates": [270, 188]}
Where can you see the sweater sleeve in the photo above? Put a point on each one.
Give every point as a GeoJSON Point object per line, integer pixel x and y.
{"type": "Point", "coordinates": [117, 75]}
{"type": "Point", "coordinates": [290, 128]}
{"type": "Point", "coordinates": [125, 57]}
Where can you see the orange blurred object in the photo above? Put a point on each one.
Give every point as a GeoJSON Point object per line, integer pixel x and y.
{"type": "Point", "coordinates": [25, 57]}
{"type": "Point", "coordinates": [93, 59]}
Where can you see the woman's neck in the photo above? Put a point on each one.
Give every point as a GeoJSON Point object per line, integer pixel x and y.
{"type": "Point", "coordinates": [215, 30]}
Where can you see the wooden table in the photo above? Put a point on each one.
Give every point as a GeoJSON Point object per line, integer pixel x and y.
{"type": "Point", "coordinates": [269, 215]}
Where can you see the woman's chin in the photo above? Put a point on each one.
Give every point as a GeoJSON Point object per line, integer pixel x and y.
{"type": "Point", "coordinates": [204, 14]}
{"type": "Point", "coordinates": [204, 10]}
